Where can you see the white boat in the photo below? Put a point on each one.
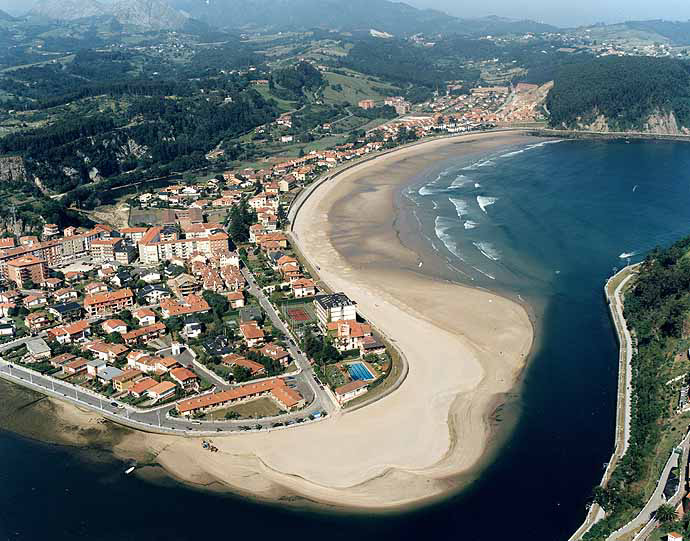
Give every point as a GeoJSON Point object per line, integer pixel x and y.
{"type": "Point", "coordinates": [129, 470]}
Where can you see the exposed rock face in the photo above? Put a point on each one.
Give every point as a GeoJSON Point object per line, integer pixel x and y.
{"type": "Point", "coordinates": [659, 123]}
{"type": "Point", "coordinates": [148, 14]}
{"type": "Point", "coordinates": [12, 169]}
{"type": "Point", "coordinates": [663, 123]}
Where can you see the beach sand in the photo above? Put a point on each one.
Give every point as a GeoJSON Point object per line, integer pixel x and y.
{"type": "Point", "coordinates": [464, 347]}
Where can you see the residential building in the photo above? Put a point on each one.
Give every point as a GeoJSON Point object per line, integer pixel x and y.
{"type": "Point", "coordinates": [126, 380]}
{"type": "Point", "coordinates": [104, 249]}
{"type": "Point", "coordinates": [303, 287]}
{"type": "Point", "coordinates": [187, 379]}
{"type": "Point", "coordinates": [348, 335]}
{"type": "Point", "coordinates": [141, 386]}
{"type": "Point", "coordinates": [114, 325]}
{"type": "Point", "coordinates": [233, 359]}
{"type": "Point", "coordinates": [27, 269]}
{"type": "Point", "coordinates": [163, 390]}
{"type": "Point", "coordinates": [350, 391]}
{"type": "Point", "coordinates": [274, 388]}
{"type": "Point", "coordinates": [191, 304]}
{"type": "Point", "coordinates": [37, 349]}
{"type": "Point", "coordinates": [76, 366]}
{"type": "Point", "coordinates": [108, 303]}
{"type": "Point", "coordinates": [144, 316]}
{"type": "Point", "coordinates": [252, 334]}
{"type": "Point", "coordinates": [147, 333]}
{"type": "Point", "coordinates": [66, 311]}
{"type": "Point", "coordinates": [334, 307]}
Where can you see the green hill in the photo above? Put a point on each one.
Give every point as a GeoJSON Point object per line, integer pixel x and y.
{"type": "Point", "coordinates": [622, 94]}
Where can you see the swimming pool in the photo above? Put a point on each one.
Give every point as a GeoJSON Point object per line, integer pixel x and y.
{"type": "Point", "coordinates": [359, 372]}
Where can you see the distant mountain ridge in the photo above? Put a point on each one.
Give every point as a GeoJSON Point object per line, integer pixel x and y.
{"type": "Point", "coordinates": [382, 15]}
{"type": "Point", "coordinates": [148, 14]}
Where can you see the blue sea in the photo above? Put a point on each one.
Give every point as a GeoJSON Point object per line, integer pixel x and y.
{"type": "Point", "coordinates": [545, 223]}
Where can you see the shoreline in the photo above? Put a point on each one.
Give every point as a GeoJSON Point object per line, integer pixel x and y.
{"type": "Point", "coordinates": [431, 435]}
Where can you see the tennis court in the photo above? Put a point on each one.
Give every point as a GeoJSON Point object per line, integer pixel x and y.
{"type": "Point", "coordinates": [298, 315]}
{"type": "Point", "coordinates": [359, 372]}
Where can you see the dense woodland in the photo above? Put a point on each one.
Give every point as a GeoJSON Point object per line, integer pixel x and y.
{"type": "Point", "coordinates": [626, 90]}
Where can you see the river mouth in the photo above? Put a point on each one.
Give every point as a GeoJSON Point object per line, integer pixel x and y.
{"type": "Point", "coordinates": [564, 216]}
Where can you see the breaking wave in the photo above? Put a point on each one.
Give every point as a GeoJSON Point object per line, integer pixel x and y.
{"type": "Point", "coordinates": [441, 227]}
{"type": "Point", "coordinates": [485, 201]}
{"type": "Point", "coordinates": [488, 250]}
{"type": "Point", "coordinates": [461, 206]}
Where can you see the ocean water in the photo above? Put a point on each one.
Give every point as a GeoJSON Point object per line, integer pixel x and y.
{"type": "Point", "coordinates": [545, 223]}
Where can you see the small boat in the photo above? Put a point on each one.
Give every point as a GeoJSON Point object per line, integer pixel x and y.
{"type": "Point", "coordinates": [130, 470]}
{"type": "Point", "coordinates": [420, 264]}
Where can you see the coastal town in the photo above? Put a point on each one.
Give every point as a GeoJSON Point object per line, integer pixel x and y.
{"type": "Point", "coordinates": [212, 321]}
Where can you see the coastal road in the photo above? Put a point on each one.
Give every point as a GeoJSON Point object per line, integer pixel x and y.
{"type": "Point", "coordinates": [645, 517]}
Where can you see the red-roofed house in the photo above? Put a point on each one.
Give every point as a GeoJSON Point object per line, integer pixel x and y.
{"type": "Point", "coordinates": [187, 379]}
{"type": "Point", "coordinates": [252, 334]}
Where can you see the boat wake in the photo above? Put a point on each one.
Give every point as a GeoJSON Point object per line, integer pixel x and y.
{"type": "Point", "coordinates": [626, 255]}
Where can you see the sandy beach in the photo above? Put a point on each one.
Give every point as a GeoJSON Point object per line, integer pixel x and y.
{"type": "Point", "coordinates": [465, 348]}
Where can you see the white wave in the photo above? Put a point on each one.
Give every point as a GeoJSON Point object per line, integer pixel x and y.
{"type": "Point", "coordinates": [469, 224]}
{"type": "Point", "coordinates": [435, 205]}
{"type": "Point", "coordinates": [461, 206]}
{"type": "Point", "coordinates": [514, 153]}
{"type": "Point", "coordinates": [483, 272]}
{"type": "Point", "coordinates": [426, 190]}
{"type": "Point", "coordinates": [479, 164]}
{"type": "Point", "coordinates": [460, 181]}
{"type": "Point", "coordinates": [529, 147]}
{"type": "Point", "coordinates": [441, 227]}
{"type": "Point", "coordinates": [488, 250]}
{"type": "Point", "coordinates": [626, 255]}
{"type": "Point", "coordinates": [485, 201]}
{"type": "Point", "coordinates": [477, 185]}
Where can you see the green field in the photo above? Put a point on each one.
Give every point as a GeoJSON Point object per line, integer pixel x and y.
{"type": "Point", "coordinates": [355, 87]}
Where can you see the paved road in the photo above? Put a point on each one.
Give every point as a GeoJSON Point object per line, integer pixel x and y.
{"type": "Point", "coordinates": [596, 513]}
{"type": "Point", "coordinates": [645, 517]}
{"type": "Point", "coordinates": [306, 370]}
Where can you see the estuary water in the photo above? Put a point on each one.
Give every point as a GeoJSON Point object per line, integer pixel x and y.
{"type": "Point", "coordinates": [545, 223]}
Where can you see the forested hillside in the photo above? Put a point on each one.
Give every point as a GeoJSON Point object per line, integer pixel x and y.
{"type": "Point", "coordinates": [657, 308]}
{"type": "Point", "coordinates": [622, 94]}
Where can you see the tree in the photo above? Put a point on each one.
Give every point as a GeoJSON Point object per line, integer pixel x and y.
{"type": "Point", "coordinates": [666, 514]}
{"type": "Point", "coordinates": [218, 303]}
{"type": "Point", "coordinates": [230, 415]}
{"type": "Point", "coordinates": [241, 373]}
{"type": "Point", "coordinates": [173, 324]}
{"type": "Point", "coordinates": [114, 338]}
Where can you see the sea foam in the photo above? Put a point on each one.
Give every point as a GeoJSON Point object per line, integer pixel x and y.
{"type": "Point", "coordinates": [441, 227]}
{"type": "Point", "coordinates": [461, 206]}
{"type": "Point", "coordinates": [488, 250]}
{"type": "Point", "coordinates": [485, 201]}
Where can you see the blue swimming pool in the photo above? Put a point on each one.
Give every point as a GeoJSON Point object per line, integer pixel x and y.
{"type": "Point", "coordinates": [359, 371]}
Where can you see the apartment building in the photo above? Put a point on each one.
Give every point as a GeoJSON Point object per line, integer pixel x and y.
{"type": "Point", "coordinates": [109, 302]}
{"type": "Point", "coordinates": [26, 269]}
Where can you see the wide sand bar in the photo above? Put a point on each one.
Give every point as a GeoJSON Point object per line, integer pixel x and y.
{"type": "Point", "coordinates": [465, 347]}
